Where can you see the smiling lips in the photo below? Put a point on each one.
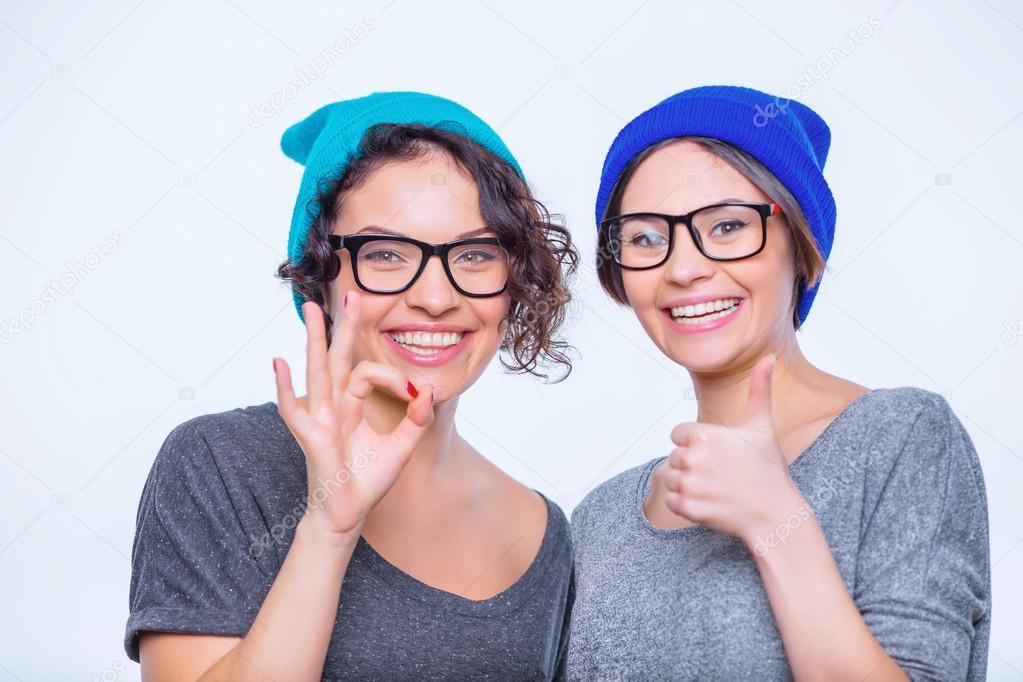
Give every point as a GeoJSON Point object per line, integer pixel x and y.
{"type": "Point", "coordinates": [701, 313]}
{"type": "Point", "coordinates": [428, 345]}
{"type": "Point", "coordinates": [425, 342]}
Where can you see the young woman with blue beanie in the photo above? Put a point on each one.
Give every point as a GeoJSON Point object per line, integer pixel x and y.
{"type": "Point", "coordinates": [352, 533]}
{"type": "Point", "coordinates": [803, 526]}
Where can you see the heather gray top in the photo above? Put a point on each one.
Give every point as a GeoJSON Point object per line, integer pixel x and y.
{"type": "Point", "coordinates": [896, 485]}
{"type": "Point", "coordinates": [215, 521]}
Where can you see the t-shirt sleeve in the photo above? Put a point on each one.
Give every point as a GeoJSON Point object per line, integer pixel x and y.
{"type": "Point", "coordinates": [923, 580]}
{"type": "Point", "coordinates": [193, 570]}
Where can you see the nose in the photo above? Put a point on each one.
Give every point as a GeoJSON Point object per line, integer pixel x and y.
{"type": "Point", "coordinates": [687, 265]}
{"type": "Point", "coordinates": [433, 291]}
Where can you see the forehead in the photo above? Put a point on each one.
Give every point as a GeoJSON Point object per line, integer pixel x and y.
{"type": "Point", "coordinates": [427, 197]}
{"type": "Point", "coordinates": [682, 176]}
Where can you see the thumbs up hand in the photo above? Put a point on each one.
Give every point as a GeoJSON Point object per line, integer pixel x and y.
{"type": "Point", "coordinates": [733, 479]}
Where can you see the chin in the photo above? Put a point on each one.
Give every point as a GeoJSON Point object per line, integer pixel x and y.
{"type": "Point", "coordinates": [697, 357]}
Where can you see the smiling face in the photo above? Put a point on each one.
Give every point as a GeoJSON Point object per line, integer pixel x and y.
{"type": "Point", "coordinates": [430, 331]}
{"type": "Point", "coordinates": [749, 301]}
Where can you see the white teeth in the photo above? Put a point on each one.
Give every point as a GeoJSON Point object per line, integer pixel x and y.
{"type": "Point", "coordinates": [702, 313]}
{"type": "Point", "coordinates": [426, 343]}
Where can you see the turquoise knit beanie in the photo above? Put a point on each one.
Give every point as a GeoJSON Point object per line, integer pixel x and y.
{"type": "Point", "coordinates": [327, 140]}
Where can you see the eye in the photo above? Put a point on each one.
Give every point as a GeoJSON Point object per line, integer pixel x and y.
{"type": "Point", "coordinates": [727, 228]}
{"type": "Point", "coordinates": [476, 257]}
{"type": "Point", "coordinates": [648, 239]}
{"type": "Point", "coordinates": [381, 257]}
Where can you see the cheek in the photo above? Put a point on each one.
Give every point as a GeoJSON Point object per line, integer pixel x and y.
{"type": "Point", "coordinates": [491, 314]}
{"type": "Point", "coordinates": [367, 341]}
{"type": "Point", "coordinates": [769, 284]}
{"type": "Point", "coordinates": [775, 273]}
{"type": "Point", "coordinates": [640, 289]}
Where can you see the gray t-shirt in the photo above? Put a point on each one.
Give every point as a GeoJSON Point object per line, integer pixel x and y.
{"type": "Point", "coordinates": [215, 521]}
{"type": "Point", "coordinates": [896, 485]}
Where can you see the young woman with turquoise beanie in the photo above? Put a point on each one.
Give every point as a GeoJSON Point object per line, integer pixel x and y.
{"type": "Point", "coordinates": [803, 526]}
{"type": "Point", "coordinates": [352, 533]}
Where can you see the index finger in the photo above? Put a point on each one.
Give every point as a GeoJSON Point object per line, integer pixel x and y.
{"type": "Point", "coordinates": [342, 346]}
{"type": "Point", "coordinates": [316, 352]}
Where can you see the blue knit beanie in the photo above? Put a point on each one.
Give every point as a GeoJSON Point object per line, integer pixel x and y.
{"type": "Point", "coordinates": [328, 140]}
{"type": "Point", "coordinates": [787, 137]}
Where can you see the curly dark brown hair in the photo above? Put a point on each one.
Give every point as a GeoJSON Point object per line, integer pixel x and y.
{"type": "Point", "coordinates": [542, 257]}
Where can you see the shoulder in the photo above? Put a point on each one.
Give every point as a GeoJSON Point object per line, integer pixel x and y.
{"type": "Point", "coordinates": [909, 414]}
{"type": "Point", "coordinates": [886, 419]}
{"type": "Point", "coordinates": [918, 436]}
{"type": "Point", "coordinates": [901, 404]}
{"type": "Point", "coordinates": [610, 502]}
{"type": "Point", "coordinates": [556, 516]}
{"type": "Point", "coordinates": [558, 530]}
{"type": "Point", "coordinates": [238, 428]}
{"type": "Point", "coordinates": [226, 447]}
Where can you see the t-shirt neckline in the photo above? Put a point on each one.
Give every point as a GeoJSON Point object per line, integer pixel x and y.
{"type": "Point", "coordinates": [512, 597]}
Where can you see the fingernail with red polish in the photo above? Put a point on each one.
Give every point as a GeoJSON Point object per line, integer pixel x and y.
{"type": "Point", "coordinates": [412, 390]}
{"type": "Point", "coordinates": [275, 365]}
{"type": "Point", "coordinates": [344, 301]}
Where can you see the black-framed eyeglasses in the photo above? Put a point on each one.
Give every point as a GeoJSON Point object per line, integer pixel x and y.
{"type": "Point", "coordinates": [723, 232]}
{"type": "Point", "coordinates": [390, 264]}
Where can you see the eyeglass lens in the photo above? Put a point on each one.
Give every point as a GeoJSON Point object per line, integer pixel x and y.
{"type": "Point", "coordinates": [724, 232]}
{"type": "Point", "coordinates": [387, 265]}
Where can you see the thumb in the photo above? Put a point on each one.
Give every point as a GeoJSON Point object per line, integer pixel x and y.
{"type": "Point", "coordinates": [418, 418]}
{"type": "Point", "coordinates": [758, 406]}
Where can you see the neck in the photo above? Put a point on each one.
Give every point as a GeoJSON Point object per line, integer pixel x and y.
{"type": "Point", "coordinates": [722, 396]}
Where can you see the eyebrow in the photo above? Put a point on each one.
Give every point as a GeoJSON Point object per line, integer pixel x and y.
{"type": "Point", "coordinates": [376, 229]}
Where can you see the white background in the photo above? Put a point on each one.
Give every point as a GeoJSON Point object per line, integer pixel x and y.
{"type": "Point", "coordinates": [133, 122]}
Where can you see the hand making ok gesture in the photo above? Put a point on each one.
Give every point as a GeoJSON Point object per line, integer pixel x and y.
{"type": "Point", "coordinates": [350, 466]}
